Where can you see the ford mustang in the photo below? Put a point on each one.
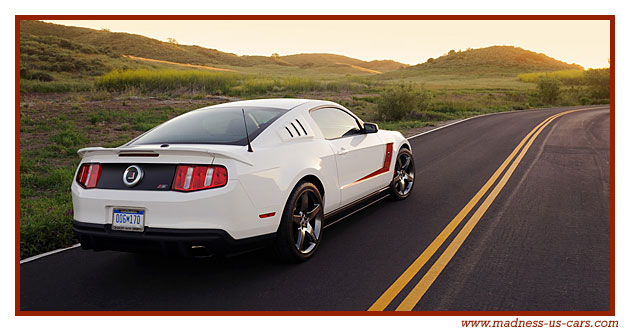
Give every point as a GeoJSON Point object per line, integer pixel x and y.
{"type": "Point", "coordinates": [237, 175]}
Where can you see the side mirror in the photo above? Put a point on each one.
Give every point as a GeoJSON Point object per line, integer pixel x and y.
{"type": "Point", "coordinates": [370, 128]}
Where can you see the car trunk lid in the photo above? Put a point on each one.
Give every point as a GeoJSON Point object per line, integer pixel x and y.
{"type": "Point", "coordinates": [156, 164]}
{"type": "Point", "coordinates": [165, 153]}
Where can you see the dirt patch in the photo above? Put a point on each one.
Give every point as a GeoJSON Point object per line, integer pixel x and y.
{"type": "Point", "coordinates": [100, 119]}
{"type": "Point", "coordinates": [197, 66]}
{"type": "Point", "coordinates": [44, 114]}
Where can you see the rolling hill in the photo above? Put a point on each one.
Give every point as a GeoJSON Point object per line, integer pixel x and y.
{"type": "Point", "coordinates": [493, 61]}
{"type": "Point", "coordinates": [76, 56]}
{"type": "Point", "coordinates": [152, 49]}
{"type": "Point", "coordinates": [324, 60]}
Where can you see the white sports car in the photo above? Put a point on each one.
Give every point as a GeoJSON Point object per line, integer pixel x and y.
{"type": "Point", "coordinates": [237, 175]}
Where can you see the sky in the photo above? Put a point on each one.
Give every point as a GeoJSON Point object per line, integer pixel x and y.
{"type": "Point", "coordinates": [586, 43]}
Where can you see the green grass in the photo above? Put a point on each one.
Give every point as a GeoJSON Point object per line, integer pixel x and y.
{"type": "Point", "coordinates": [48, 87]}
{"type": "Point", "coordinates": [45, 201]}
{"type": "Point", "coordinates": [219, 83]}
{"type": "Point", "coordinates": [48, 163]}
{"type": "Point", "coordinates": [52, 131]}
{"type": "Point", "coordinates": [49, 141]}
{"type": "Point", "coordinates": [471, 83]}
{"type": "Point", "coordinates": [45, 223]}
{"type": "Point", "coordinates": [565, 76]}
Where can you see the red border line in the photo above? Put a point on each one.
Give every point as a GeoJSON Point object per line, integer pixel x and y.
{"type": "Point", "coordinates": [612, 165]}
{"type": "Point", "coordinates": [314, 313]}
{"type": "Point", "coordinates": [17, 166]}
{"type": "Point", "coordinates": [315, 17]}
{"type": "Point", "coordinates": [610, 312]}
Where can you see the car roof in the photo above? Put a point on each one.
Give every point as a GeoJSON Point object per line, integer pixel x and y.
{"type": "Point", "coordinates": [280, 103]}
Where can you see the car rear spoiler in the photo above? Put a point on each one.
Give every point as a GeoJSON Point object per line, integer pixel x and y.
{"type": "Point", "coordinates": [139, 151]}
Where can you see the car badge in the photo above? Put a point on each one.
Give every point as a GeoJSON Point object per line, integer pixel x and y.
{"type": "Point", "coordinates": [132, 175]}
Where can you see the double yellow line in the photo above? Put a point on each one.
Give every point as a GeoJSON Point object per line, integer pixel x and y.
{"type": "Point", "coordinates": [427, 280]}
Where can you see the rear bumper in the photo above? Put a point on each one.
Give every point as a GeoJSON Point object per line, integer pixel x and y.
{"type": "Point", "coordinates": [227, 208]}
{"type": "Point", "coordinates": [186, 242]}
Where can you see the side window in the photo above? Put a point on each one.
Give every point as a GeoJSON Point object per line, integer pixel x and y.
{"type": "Point", "coordinates": [335, 123]}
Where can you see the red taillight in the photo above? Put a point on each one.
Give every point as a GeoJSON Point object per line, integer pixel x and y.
{"type": "Point", "coordinates": [88, 175]}
{"type": "Point", "coordinates": [199, 177]}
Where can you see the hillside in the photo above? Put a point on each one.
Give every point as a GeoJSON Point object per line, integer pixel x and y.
{"type": "Point", "coordinates": [136, 45]}
{"type": "Point", "coordinates": [325, 60]}
{"type": "Point", "coordinates": [148, 48]}
{"type": "Point", "coordinates": [490, 61]}
{"type": "Point", "coordinates": [65, 58]}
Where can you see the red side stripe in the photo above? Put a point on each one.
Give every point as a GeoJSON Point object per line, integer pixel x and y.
{"type": "Point", "coordinates": [388, 161]}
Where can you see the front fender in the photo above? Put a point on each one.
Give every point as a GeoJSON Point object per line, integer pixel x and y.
{"type": "Point", "coordinates": [396, 137]}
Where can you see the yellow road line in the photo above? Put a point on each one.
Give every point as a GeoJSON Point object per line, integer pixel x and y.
{"type": "Point", "coordinates": [427, 280]}
{"type": "Point", "coordinates": [386, 298]}
{"type": "Point", "coordinates": [389, 295]}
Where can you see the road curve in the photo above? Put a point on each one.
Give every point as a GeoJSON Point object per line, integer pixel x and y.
{"type": "Point", "coordinates": [542, 244]}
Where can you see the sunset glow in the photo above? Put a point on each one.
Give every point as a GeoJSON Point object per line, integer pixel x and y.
{"type": "Point", "coordinates": [586, 43]}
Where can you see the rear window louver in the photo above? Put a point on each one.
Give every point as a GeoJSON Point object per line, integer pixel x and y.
{"type": "Point", "coordinates": [297, 128]}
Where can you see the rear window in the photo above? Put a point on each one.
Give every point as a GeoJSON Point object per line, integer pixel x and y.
{"type": "Point", "coordinates": [220, 126]}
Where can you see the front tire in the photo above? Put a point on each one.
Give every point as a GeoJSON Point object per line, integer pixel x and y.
{"type": "Point", "coordinates": [404, 175]}
{"type": "Point", "coordinates": [301, 226]}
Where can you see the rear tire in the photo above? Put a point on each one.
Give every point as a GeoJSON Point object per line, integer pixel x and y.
{"type": "Point", "coordinates": [404, 176]}
{"type": "Point", "coordinates": [301, 226]}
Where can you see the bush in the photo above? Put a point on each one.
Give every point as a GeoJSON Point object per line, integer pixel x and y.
{"type": "Point", "coordinates": [25, 73]}
{"type": "Point", "coordinates": [42, 76]}
{"type": "Point", "coordinates": [402, 101]}
{"type": "Point", "coordinates": [598, 82]}
{"type": "Point", "coordinates": [548, 90]}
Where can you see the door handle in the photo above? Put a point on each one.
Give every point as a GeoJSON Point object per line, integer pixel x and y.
{"type": "Point", "coordinates": [342, 151]}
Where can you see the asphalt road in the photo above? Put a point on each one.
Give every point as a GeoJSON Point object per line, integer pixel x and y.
{"type": "Point", "coordinates": [543, 243]}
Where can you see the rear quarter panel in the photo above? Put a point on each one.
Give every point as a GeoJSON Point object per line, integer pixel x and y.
{"type": "Point", "coordinates": [277, 170]}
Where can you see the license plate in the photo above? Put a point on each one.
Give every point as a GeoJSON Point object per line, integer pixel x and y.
{"type": "Point", "coordinates": [128, 220]}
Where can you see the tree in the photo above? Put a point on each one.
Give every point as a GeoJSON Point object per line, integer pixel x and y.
{"type": "Point", "coordinates": [172, 41]}
{"type": "Point", "coordinates": [548, 89]}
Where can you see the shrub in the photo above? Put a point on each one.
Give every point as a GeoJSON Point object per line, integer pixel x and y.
{"type": "Point", "coordinates": [598, 82]}
{"type": "Point", "coordinates": [25, 73]}
{"type": "Point", "coordinates": [548, 90]}
{"type": "Point", "coordinates": [42, 76]}
{"type": "Point", "coordinates": [403, 100]}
